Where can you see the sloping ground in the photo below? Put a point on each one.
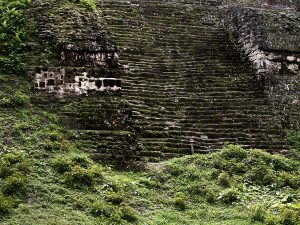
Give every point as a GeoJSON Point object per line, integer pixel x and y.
{"type": "Point", "coordinates": [187, 80]}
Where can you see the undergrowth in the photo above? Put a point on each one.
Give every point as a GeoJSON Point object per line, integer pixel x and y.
{"type": "Point", "coordinates": [89, 4]}
{"type": "Point", "coordinates": [15, 30]}
{"type": "Point", "coordinates": [46, 178]}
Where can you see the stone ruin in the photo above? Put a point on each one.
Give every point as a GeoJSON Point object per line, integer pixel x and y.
{"type": "Point", "coordinates": [260, 34]}
{"type": "Point", "coordinates": [55, 80]}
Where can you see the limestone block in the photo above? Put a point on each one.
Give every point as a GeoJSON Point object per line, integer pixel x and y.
{"type": "Point", "coordinates": [293, 67]}
{"type": "Point", "coordinates": [291, 58]}
{"type": "Point", "coordinates": [273, 56]}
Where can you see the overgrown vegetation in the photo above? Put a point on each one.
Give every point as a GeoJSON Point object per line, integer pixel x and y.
{"type": "Point", "coordinates": [293, 136]}
{"type": "Point", "coordinates": [218, 188]}
{"type": "Point", "coordinates": [89, 4]}
{"type": "Point", "coordinates": [14, 31]}
{"type": "Point", "coordinates": [45, 178]}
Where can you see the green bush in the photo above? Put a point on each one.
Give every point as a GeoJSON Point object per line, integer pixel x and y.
{"type": "Point", "coordinates": [210, 196]}
{"type": "Point", "coordinates": [79, 176]}
{"type": "Point", "coordinates": [260, 174]}
{"type": "Point", "coordinates": [114, 198]}
{"type": "Point", "coordinates": [258, 213]}
{"type": "Point", "coordinates": [62, 164]}
{"type": "Point", "coordinates": [293, 136]}
{"type": "Point", "coordinates": [271, 219]}
{"type": "Point", "coordinates": [287, 179]}
{"type": "Point", "coordinates": [289, 217]}
{"type": "Point", "coordinates": [13, 162]}
{"type": "Point", "coordinates": [82, 160]}
{"type": "Point", "coordinates": [197, 188]}
{"type": "Point", "coordinates": [20, 127]}
{"type": "Point", "coordinates": [100, 208]}
{"type": "Point", "coordinates": [14, 184]}
{"type": "Point", "coordinates": [234, 151]}
{"type": "Point", "coordinates": [6, 204]}
{"type": "Point", "coordinates": [15, 30]}
{"type": "Point", "coordinates": [89, 4]}
{"type": "Point", "coordinates": [179, 203]}
{"type": "Point", "coordinates": [52, 145]}
{"type": "Point", "coordinates": [54, 135]}
{"type": "Point", "coordinates": [224, 179]}
{"type": "Point", "coordinates": [228, 196]}
{"type": "Point", "coordinates": [128, 213]}
{"type": "Point", "coordinates": [18, 99]}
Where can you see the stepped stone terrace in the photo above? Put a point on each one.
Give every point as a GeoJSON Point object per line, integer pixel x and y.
{"type": "Point", "coordinates": [190, 77]}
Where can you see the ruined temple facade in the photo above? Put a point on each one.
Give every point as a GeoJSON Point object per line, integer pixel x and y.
{"type": "Point", "coordinates": [57, 80]}
{"type": "Point", "coordinates": [199, 70]}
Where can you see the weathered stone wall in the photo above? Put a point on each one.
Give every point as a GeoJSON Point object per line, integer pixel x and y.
{"type": "Point", "coordinates": [270, 40]}
{"type": "Point", "coordinates": [187, 80]}
{"type": "Point", "coordinates": [55, 80]}
{"type": "Point", "coordinates": [76, 73]}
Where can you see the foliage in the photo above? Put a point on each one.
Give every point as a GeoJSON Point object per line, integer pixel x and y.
{"type": "Point", "coordinates": [17, 99]}
{"type": "Point", "coordinates": [14, 184]}
{"type": "Point", "coordinates": [89, 4]}
{"type": "Point", "coordinates": [179, 203]}
{"type": "Point", "coordinates": [6, 204]}
{"type": "Point", "coordinates": [14, 31]}
{"type": "Point", "coordinates": [293, 136]}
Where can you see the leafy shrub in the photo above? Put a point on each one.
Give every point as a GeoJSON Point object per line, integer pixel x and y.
{"type": "Point", "coordinates": [258, 213]}
{"type": "Point", "coordinates": [52, 145]}
{"type": "Point", "coordinates": [6, 204]}
{"type": "Point", "coordinates": [79, 176]}
{"type": "Point", "coordinates": [14, 184]}
{"type": "Point", "coordinates": [62, 164]}
{"type": "Point", "coordinates": [54, 135]}
{"type": "Point", "coordinates": [100, 208]}
{"type": "Point", "coordinates": [210, 196]}
{"type": "Point", "coordinates": [20, 127]}
{"type": "Point", "coordinates": [128, 213]}
{"type": "Point", "coordinates": [228, 196]}
{"type": "Point", "coordinates": [198, 188]}
{"type": "Point", "coordinates": [18, 99]}
{"type": "Point", "coordinates": [89, 4]}
{"type": "Point", "coordinates": [288, 179]}
{"type": "Point", "coordinates": [179, 203]}
{"type": "Point", "coordinates": [289, 217]}
{"type": "Point", "coordinates": [234, 151]}
{"type": "Point", "coordinates": [13, 162]}
{"type": "Point", "coordinates": [82, 160]}
{"type": "Point", "coordinates": [271, 219]}
{"type": "Point", "coordinates": [260, 174]}
{"type": "Point", "coordinates": [224, 179]}
{"type": "Point", "coordinates": [114, 198]}
{"type": "Point", "coordinates": [293, 136]}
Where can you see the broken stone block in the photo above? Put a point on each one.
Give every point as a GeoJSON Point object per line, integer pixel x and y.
{"type": "Point", "coordinates": [291, 58]}
{"type": "Point", "coordinates": [293, 67]}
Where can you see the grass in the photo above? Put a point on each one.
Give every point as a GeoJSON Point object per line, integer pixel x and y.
{"type": "Point", "coordinates": [45, 178]}
{"type": "Point", "coordinates": [63, 185]}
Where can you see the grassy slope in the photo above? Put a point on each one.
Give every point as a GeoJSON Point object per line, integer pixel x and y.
{"type": "Point", "coordinates": [46, 179]}
{"type": "Point", "coordinates": [63, 186]}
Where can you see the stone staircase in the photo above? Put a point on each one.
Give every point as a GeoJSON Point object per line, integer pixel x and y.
{"type": "Point", "coordinates": [187, 80]}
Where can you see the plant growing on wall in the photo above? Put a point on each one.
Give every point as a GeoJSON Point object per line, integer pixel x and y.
{"type": "Point", "coordinates": [14, 31]}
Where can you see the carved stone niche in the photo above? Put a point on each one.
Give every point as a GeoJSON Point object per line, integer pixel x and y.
{"type": "Point", "coordinates": [49, 80]}
{"type": "Point", "coordinates": [55, 80]}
